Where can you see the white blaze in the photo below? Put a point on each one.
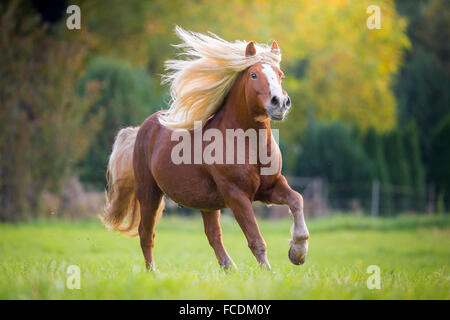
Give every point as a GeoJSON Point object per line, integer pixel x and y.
{"type": "Point", "coordinates": [272, 78]}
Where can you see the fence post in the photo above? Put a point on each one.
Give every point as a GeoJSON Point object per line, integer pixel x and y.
{"type": "Point", "coordinates": [375, 198]}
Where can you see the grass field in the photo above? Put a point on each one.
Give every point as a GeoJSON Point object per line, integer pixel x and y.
{"type": "Point", "coordinates": [413, 253]}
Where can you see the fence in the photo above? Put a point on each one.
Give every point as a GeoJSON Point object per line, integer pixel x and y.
{"type": "Point", "coordinates": [324, 198]}
{"type": "Point", "coordinates": [370, 197]}
{"type": "Point", "coordinates": [320, 198]}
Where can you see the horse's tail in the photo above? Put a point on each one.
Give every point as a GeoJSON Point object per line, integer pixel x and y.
{"type": "Point", "coordinates": [122, 207]}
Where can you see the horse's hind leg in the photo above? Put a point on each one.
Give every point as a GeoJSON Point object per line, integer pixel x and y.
{"type": "Point", "coordinates": [152, 204]}
{"type": "Point", "coordinates": [211, 221]}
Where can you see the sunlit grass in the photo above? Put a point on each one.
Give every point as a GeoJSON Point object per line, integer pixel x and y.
{"type": "Point", "coordinates": [413, 254]}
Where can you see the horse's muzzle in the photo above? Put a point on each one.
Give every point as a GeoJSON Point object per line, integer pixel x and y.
{"type": "Point", "coordinates": [278, 106]}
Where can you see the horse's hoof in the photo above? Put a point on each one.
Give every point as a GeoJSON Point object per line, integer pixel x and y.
{"type": "Point", "coordinates": [297, 258]}
{"type": "Point", "coordinates": [229, 267]}
{"type": "Point", "coordinates": [266, 266]}
{"type": "Point", "coordinates": [150, 266]}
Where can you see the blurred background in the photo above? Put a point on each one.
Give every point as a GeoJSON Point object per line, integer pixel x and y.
{"type": "Point", "coordinates": [369, 130]}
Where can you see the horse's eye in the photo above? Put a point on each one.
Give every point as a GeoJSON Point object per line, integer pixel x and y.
{"type": "Point", "coordinates": [254, 76]}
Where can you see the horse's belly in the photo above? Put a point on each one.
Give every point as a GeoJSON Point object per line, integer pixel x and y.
{"type": "Point", "coordinates": [188, 186]}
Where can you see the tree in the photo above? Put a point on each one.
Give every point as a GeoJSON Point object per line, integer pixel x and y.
{"type": "Point", "coordinates": [373, 145]}
{"type": "Point", "coordinates": [423, 95]}
{"type": "Point", "coordinates": [416, 167]}
{"type": "Point", "coordinates": [440, 159]}
{"type": "Point", "coordinates": [399, 171]}
{"type": "Point", "coordinates": [421, 86]}
{"type": "Point", "coordinates": [43, 131]}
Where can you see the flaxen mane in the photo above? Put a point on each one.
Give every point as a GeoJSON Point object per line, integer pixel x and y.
{"type": "Point", "coordinates": [199, 83]}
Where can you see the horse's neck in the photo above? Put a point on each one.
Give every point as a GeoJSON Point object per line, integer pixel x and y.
{"type": "Point", "coordinates": [235, 114]}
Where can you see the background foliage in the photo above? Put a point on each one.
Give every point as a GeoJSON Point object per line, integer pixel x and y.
{"type": "Point", "coordinates": [44, 131]}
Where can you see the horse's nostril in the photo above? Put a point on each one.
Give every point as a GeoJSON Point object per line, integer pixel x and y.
{"type": "Point", "coordinates": [288, 101]}
{"type": "Point", "coordinates": [275, 101]}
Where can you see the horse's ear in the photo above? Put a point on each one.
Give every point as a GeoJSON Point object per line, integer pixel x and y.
{"type": "Point", "coordinates": [250, 50]}
{"type": "Point", "coordinates": [275, 48]}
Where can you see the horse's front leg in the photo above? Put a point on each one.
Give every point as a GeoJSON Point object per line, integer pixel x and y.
{"type": "Point", "coordinates": [242, 209]}
{"type": "Point", "coordinates": [283, 194]}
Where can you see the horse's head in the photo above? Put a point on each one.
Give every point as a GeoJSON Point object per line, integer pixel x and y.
{"type": "Point", "coordinates": [263, 91]}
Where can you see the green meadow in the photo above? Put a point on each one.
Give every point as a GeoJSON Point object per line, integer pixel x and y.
{"type": "Point", "coordinates": [412, 252]}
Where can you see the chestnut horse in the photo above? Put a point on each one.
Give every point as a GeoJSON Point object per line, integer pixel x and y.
{"type": "Point", "coordinates": [141, 167]}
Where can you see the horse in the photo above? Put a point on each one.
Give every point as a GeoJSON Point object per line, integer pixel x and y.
{"type": "Point", "coordinates": [224, 85]}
